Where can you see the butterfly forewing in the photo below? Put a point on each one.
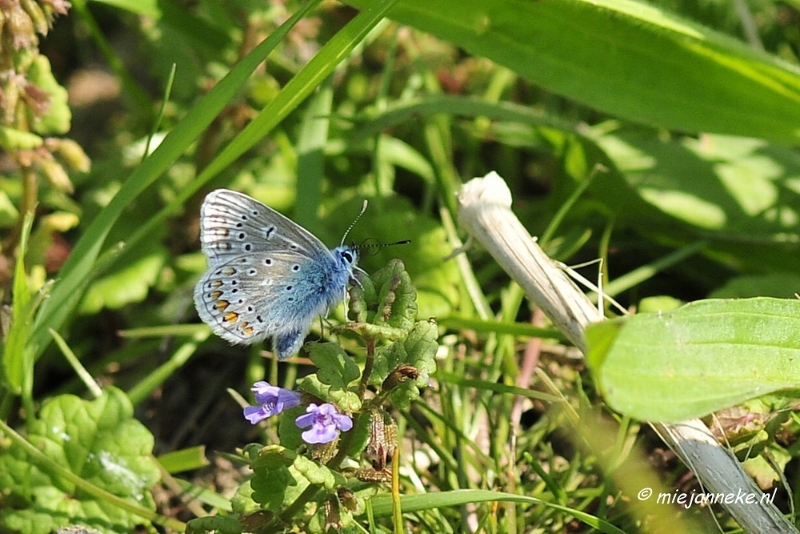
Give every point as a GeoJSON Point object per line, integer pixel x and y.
{"type": "Point", "coordinates": [233, 224]}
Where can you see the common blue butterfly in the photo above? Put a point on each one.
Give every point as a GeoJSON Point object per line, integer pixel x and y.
{"type": "Point", "coordinates": [267, 276]}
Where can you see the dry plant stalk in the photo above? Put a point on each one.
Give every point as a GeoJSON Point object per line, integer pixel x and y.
{"type": "Point", "coordinates": [484, 210]}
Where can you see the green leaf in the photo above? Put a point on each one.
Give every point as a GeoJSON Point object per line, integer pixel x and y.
{"type": "Point", "coordinates": [336, 368]}
{"type": "Point", "coordinates": [627, 58]}
{"type": "Point", "coordinates": [58, 116]}
{"type": "Point", "coordinates": [387, 299]}
{"type": "Point", "coordinates": [345, 400]}
{"type": "Point", "coordinates": [127, 285]}
{"type": "Point", "coordinates": [12, 353]}
{"type": "Point", "coordinates": [417, 352]}
{"type": "Point", "coordinates": [216, 523]}
{"type": "Point", "coordinates": [13, 139]}
{"type": "Point", "coordinates": [708, 355]}
{"type": "Point", "coordinates": [98, 441]}
{"type": "Point", "coordinates": [394, 219]}
{"type": "Point", "coordinates": [317, 474]}
{"type": "Point", "coordinates": [272, 477]}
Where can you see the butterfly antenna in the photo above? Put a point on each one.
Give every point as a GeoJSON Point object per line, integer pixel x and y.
{"type": "Point", "coordinates": [377, 244]}
{"type": "Point", "coordinates": [363, 209]}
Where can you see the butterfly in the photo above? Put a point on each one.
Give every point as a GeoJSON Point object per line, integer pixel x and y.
{"type": "Point", "coordinates": [267, 275]}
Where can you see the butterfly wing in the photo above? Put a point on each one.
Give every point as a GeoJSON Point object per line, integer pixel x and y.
{"type": "Point", "coordinates": [267, 275]}
{"type": "Point", "coordinates": [233, 224]}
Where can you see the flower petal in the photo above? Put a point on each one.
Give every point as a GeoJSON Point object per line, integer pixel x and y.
{"type": "Point", "coordinates": [344, 422]}
{"type": "Point", "coordinates": [254, 414]}
{"type": "Point", "coordinates": [320, 434]}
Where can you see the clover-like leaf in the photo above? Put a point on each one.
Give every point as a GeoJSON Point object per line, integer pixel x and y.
{"type": "Point", "coordinates": [100, 442]}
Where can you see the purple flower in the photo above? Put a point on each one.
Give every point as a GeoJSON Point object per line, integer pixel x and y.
{"type": "Point", "coordinates": [271, 401]}
{"type": "Point", "coordinates": [325, 421]}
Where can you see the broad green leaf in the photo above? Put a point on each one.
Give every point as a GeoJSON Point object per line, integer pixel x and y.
{"type": "Point", "coordinates": [626, 58]}
{"type": "Point", "coordinates": [98, 441]}
{"type": "Point", "coordinates": [715, 183]}
{"type": "Point", "coordinates": [702, 357]}
{"type": "Point", "coordinates": [129, 284]}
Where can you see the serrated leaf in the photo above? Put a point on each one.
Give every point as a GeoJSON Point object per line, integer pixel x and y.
{"type": "Point", "coordinates": [272, 477]}
{"type": "Point", "coordinates": [417, 351]}
{"type": "Point", "coordinates": [316, 473]}
{"type": "Point", "coordinates": [335, 367]}
{"type": "Point", "coordinates": [100, 442]}
{"type": "Point", "coordinates": [346, 401]}
{"type": "Point", "coordinates": [387, 299]}
{"type": "Point", "coordinates": [702, 357]}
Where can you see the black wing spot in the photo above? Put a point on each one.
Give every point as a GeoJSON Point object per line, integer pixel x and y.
{"type": "Point", "coordinates": [248, 247]}
{"type": "Point", "coordinates": [270, 232]}
{"type": "Point", "coordinates": [267, 261]}
{"type": "Point", "coordinates": [295, 268]}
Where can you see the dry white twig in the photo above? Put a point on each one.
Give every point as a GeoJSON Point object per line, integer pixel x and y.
{"type": "Point", "coordinates": [484, 206]}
